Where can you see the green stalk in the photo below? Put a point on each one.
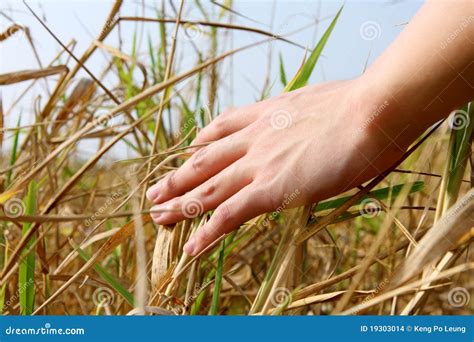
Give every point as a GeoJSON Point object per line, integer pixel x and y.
{"type": "Point", "coordinates": [218, 281]}
{"type": "Point", "coordinates": [26, 276]}
{"type": "Point", "coordinates": [14, 151]}
{"type": "Point", "coordinates": [4, 287]}
{"type": "Point", "coordinates": [302, 77]}
{"type": "Point", "coordinates": [109, 279]}
{"type": "Point", "coordinates": [458, 153]}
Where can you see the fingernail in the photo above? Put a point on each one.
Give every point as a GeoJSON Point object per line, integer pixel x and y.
{"type": "Point", "coordinates": [153, 192]}
{"type": "Point", "coordinates": [190, 246]}
{"type": "Point", "coordinates": [193, 148]}
{"type": "Point", "coordinates": [155, 212]}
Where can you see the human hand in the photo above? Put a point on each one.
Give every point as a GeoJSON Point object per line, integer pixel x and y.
{"type": "Point", "coordinates": [306, 145]}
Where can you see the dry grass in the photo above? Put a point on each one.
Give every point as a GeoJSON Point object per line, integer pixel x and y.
{"type": "Point", "coordinates": [76, 235]}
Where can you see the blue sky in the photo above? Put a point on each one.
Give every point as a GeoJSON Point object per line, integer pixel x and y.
{"type": "Point", "coordinates": [364, 30]}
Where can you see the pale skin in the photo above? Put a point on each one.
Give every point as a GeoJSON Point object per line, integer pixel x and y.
{"type": "Point", "coordinates": [333, 137]}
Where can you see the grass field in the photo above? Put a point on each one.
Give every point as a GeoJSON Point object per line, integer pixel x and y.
{"type": "Point", "coordinates": [76, 237]}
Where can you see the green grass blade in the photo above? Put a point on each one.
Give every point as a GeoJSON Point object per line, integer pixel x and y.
{"type": "Point", "coordinates": [460, 148]}
{"type": "Point", "coordinates": [14, 151]}
{"type": "Point", "coordinates": [151, 54]}
{"type": "Point", "coordinates": [109, 279]}
{"type": "Point", "coordinates": [283, 80]}
{"type": "Point", "coordinates": [2, 297]}
{"type": "Point", "coordinates": [188, 119]}
{"type": "Point", "coordinates": [379, 194]}
{"type": "Point", "coordinates": [305, 72]}
{"type": "Point", "coordinates": [161, 58]}
{"type": "Point", "coordinates": [3, 289]}
{"type": "Point", "coordinates": [218, 281]}
{"type": "Point", "coordinates": [133, 53]}
{"type": "Point", "coordinates": [26, 276]}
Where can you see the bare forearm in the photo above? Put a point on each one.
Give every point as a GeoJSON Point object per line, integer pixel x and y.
{"type": "Point", "coordinates": [428, 71]}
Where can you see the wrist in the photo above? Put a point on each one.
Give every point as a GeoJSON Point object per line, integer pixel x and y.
{"type": "Point", "coordinates": [383, 119]}
{"type": "Point", "coordinates": [416, 82]}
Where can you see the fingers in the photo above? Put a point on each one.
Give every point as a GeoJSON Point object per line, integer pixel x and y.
{"type": "Point", "coordinates": [228, 122]}
{"type": "Point", "coordinates": [203, 164]}
{"type": "Point", "coordinates": [228, 147]}
{"type": "Point", "coordinates": [205, 197]}
{"type": "Point", "coordinates": [241, 207]}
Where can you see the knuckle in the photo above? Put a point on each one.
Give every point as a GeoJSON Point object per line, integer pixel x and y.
{"type": "Point", "coordinates": [171, 183]}
{"type": "Point", "coordinates": [209, 189]}
{"type": "Point", "coordinates": [198, 162]}
{"type": "Point", "coordinates": [220, 124]}
{"type": "Point", "coordinates": [268, 175]}
{"type": "Point", "coordinates": [200, 136]}
{"type": "Point", "coordinates": [267, 195]}
{"type": "Point", "coordinates": [222, 215]}
{"type": "Point", "coordinates": [175, 205]}
{"type": "Point", "coordinates": [225, 114]}
{"type": "Point", "coordinates": [261, 124]}
{"type": "Point", "coordinates": [206, 234]}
